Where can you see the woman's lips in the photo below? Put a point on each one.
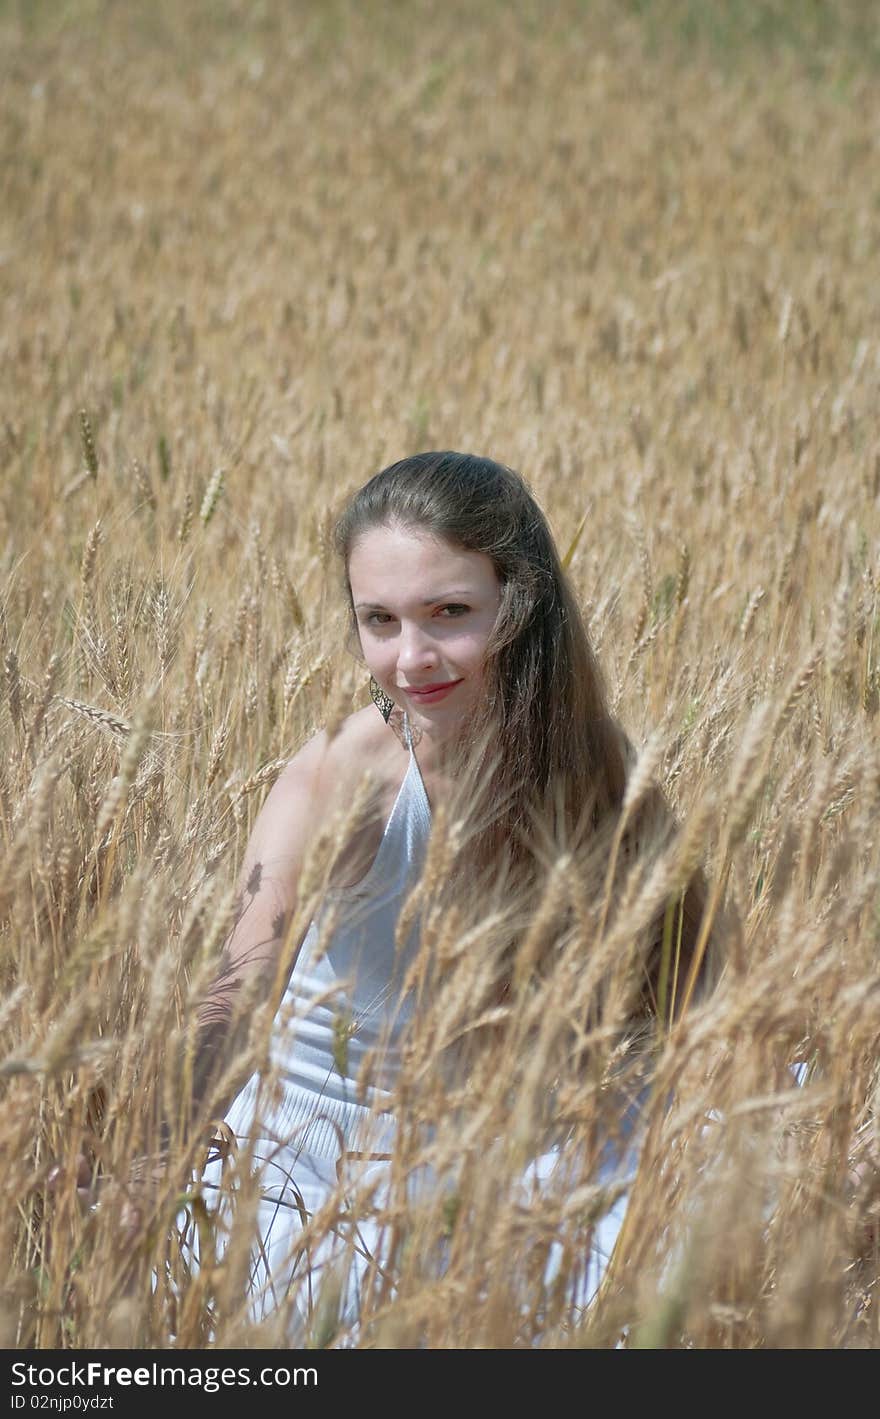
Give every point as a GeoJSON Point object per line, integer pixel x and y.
{"type": "Point", "coordinates": [430, 693]}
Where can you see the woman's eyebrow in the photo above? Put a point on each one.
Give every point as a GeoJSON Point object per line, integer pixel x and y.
{"type": "Point", "coordinates": [428, 601]}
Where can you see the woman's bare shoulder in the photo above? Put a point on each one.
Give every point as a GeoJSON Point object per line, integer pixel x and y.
{"type": "Point", "coordinates": [316, 782]}
{"type": "Point", "coordinates": [329, 764]}
{"type": "Point", "coordinates": [317, 785]}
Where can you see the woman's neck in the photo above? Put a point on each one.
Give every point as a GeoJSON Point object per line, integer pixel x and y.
{"type": "Point", "coordinates": [443, 751]}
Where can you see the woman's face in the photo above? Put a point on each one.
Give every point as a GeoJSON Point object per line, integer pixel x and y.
{"type": "Point", "coordinates": [425, 610]}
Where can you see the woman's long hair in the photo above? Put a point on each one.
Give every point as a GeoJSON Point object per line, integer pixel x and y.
{"type": "Point", "coordinates": [548, 772]}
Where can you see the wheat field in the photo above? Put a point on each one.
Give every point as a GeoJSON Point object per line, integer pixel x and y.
{"type": "Point", "coordinates": [250, 254]}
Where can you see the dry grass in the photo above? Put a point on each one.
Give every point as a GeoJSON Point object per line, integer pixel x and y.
{"type": "Point", "coordinates": [267, 250]}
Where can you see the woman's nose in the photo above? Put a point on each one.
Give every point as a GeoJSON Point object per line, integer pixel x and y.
{"type": "Point", "coordinates": [416, 650]}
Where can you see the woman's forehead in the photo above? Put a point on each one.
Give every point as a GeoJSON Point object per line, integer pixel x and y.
{"type": "Point", "coordinates": [391, 552]}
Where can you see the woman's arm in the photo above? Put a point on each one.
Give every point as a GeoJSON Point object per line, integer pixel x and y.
{"type": "Point", "coordinates": [265, 904]}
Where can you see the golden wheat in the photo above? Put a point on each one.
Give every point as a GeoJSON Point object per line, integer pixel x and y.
{"type": "Point", "coordinates": [642, 273]}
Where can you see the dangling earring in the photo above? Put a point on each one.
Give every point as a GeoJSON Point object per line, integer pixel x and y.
{"type": "Point", "coordinates": [383, 702]}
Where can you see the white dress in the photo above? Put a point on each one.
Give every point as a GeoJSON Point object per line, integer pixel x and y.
{"type": "Point", "coordinates": [323, 1126]}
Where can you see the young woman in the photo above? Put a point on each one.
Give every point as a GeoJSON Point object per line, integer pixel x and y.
{"type": "Point", "coordinates": [491, 716]}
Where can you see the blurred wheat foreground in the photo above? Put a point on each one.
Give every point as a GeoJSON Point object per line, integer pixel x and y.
{"type": "Point", "coordinates": [248, 254]}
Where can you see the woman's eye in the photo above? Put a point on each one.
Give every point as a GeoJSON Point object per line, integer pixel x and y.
{"type": "Point", "coordinates": [449, 612]}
